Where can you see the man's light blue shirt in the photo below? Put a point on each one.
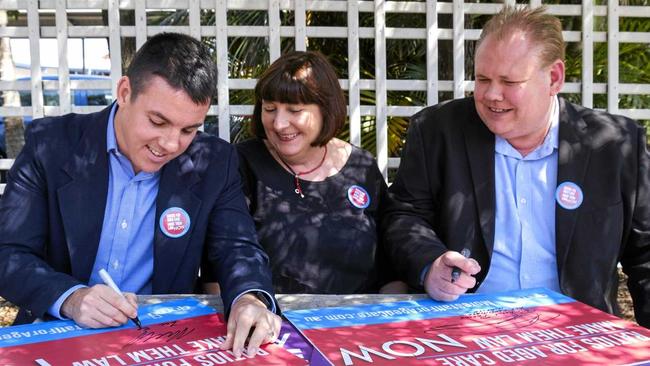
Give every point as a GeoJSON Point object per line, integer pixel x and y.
{"type": "Point", "coordinates": [524, 238]}
{"type": "Point", "coordinates": [126, 241]}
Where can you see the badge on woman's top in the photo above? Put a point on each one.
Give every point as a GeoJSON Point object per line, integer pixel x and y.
{"type": "Point", "coordinates": [358, 196]}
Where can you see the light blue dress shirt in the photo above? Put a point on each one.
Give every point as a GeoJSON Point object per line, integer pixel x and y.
{"type": "Point", "coordinates": [524, 238]}
{"type": "Point", "coordinates": [126, 242]}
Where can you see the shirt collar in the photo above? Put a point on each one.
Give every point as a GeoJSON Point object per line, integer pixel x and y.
{"type": "Point", "coordinates": [550, 143]}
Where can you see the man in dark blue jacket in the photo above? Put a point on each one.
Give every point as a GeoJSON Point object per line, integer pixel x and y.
{"type": "Point", "coordinates": [136, 190]}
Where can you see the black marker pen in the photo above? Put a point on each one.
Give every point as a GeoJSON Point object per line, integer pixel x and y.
{"type": "Point", "coordinates": [455, 272]}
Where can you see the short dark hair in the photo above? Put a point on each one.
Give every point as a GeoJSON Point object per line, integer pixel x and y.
{"type": "Point", "coordinates": [183, 61]}
{"type": "Point", "coordinates": [305, 78]}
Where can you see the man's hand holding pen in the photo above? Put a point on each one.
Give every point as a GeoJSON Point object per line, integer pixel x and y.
{"type": "Point", "coordinates": [99, 306]}
{"type": "Point", "coordinates": [451, 275]}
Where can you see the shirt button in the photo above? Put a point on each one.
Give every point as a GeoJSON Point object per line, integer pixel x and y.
{"type": "Point", "coordinates": [124, 225]}
{"type": "Point", "coordinates": [116, 264]}
{"type": "Point", "coordinates": [522, 201]}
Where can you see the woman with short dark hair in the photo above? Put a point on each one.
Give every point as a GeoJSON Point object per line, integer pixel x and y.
{"type": "Point", "coordinates": [315, 199]}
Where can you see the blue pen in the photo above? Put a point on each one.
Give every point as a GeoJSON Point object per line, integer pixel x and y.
{"type": "Point", "coordinates": [108, 280]}
{"type": "Point", "coordinates": [455, 272]}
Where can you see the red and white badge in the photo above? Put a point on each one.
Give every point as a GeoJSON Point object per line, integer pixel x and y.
{"type": "Point", "coordinates": [174, 222]}
{"type": "Point", "coordinates": [358, 196]}
{"type": "Point", "coordinates": [569, 195]}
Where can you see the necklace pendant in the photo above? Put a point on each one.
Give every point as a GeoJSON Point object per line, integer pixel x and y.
{"type": "Point", "coordinates": [296, 175]}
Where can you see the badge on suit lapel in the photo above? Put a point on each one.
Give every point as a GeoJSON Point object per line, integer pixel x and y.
{"type": "Point", "coordinates": [569, 195]}
{"type": "Point", "coordinates": [358, 196]}
{"type": "Point", "coordinates": [174, 222]}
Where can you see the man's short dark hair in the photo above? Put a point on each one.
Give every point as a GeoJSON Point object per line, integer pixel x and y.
{"type": "Point", "coordinates": [183, 61]}
{"type": "Point", "coordinates": [302, 77]}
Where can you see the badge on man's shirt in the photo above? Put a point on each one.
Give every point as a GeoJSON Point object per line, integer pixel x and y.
{"type": "Point", "coordinates": [569, 195]}
{"type": "Point", "coordinates": [358, 196]}
{"type": "Point", "coordinates": [174, 222]}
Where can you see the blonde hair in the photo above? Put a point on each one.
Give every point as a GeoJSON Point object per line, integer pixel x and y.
{"type": "Point", "coordinates": [545, 30]}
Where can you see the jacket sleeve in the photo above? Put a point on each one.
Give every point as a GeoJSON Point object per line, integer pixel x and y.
{"type": "Point", "coordinates": [25, 277]}
{"type": "Point", "coordinates": [233, 253]}
{"type": "Point", "coordinates": [636, 256]}
{"type": "Point", "coordinates": [410, 213]}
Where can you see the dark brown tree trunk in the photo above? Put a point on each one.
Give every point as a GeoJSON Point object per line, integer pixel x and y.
{"type": "Point", "coordinates": [14, 136]}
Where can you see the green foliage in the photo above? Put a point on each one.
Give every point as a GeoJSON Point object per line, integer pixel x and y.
{"type": "Point", "coordinates": [633, 60]}
{"type": "Point", "coordinates": [406, 60]}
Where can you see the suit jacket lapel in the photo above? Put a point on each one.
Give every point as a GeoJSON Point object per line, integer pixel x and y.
{"type": "Point", "coordinates": [177, 178]}
{"type": "Point", "coordinates": [479, 142]}
{"type": "Point", "coordinates": [573, 159]}
{"type": "Point", "coordinates": [82, 201]}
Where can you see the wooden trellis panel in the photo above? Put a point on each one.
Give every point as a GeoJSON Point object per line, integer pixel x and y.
{"type": "Point", "coordinates": [274, 31]}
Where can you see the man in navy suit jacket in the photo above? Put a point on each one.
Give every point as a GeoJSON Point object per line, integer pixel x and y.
{"type": "Point", "coordinates": [136, 190]}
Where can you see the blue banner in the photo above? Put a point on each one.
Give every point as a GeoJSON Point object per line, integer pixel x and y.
{"type": "Point", "coordinates": [61, 329]}
{"type": "Point", "coordinates": [422, 309]}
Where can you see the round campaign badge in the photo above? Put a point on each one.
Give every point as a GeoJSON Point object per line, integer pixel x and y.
{"type": "Point", "coordinates": [174, 222]}
{"type": "Point", "coordinates": [569, 195]}
{"type": "Point", "coordinates": [358, 197]}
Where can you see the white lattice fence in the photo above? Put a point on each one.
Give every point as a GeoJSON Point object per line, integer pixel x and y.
{"type": "Point", "coordinates": [274, 31]}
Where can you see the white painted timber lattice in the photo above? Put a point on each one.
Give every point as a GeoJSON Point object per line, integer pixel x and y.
{"type": "Point", "coordinates": [217, 34]}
